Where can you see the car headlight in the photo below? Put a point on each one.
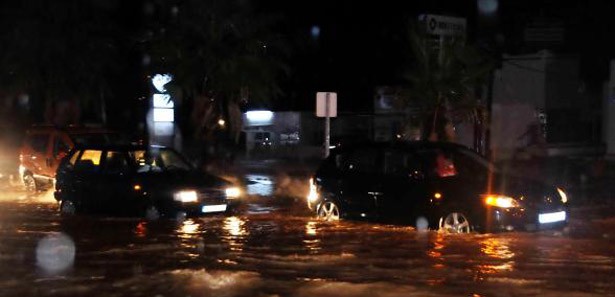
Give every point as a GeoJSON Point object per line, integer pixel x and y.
{"type": "Point", "coordinates": [563, 195]}
{"type": "Point", "coordinates": [501, 201]}
{"type": "Point", "coordinates": [186, 196]}
{"type": "Point", "coordinates": [232, 192]}
{"type": "Point", "coordinates": [313, 195]}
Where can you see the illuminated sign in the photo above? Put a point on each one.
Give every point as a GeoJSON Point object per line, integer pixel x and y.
{"type": "Point", "coordinates": [259, 117]}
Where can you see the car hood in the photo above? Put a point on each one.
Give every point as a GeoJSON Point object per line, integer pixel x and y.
{"type": "Point", "coordinates": [175, 180]}
{"type": "Point", "coordinates": [530, 191]}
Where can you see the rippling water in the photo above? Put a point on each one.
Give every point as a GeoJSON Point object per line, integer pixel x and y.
{"type": "Point", "coordinates": [276, 249]}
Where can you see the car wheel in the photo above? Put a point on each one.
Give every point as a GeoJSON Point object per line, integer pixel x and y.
{"type": "Point", "coordinates": [152, 213]}
{"type": "Point", "coordinates": [30, 183]}
{"type": "Point", "coordinates": [67, 208]}
{"type": "Point", "coordinates": [328, 211]}
{"type": "Point", "coordinates": [454, 222]}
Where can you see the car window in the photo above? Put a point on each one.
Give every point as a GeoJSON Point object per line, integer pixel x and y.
{"type": "Point", "coordinates": [89, 161]}
{"type": "Point", "coordinates": [146, 160]}
{"type": "Point", "coordinates": [116, 162]}
{"type": "Point", "coordinates": [359, 161]}
{"type": "Point", "coordinates": [73, 158]}
{"type": "Point", "coordinates": [172, 161]}
{"type": "Point", "coordinates": [38, 142]}
{"type": "Point", "coordinates": [469, 163]}
{"type": "Point", "coordinates": [439, 163]}
{"type": "Point", "coordinates": [398, 162]}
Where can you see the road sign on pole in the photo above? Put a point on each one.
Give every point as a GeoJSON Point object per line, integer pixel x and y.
{"type": "Point", "coordinates": [326, 106]}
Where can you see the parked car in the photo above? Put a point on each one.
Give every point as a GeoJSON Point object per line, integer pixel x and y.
{"type": "Point", "coordinates": [44, 146]}
{"type": "Point", "coordinates": [442, 186]}
{"type": "Point", "coordinates": [148, 181]}
{"type": "Point", "coordinates": [8, 154]}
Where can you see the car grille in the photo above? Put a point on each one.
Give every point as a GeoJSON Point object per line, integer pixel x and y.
{"type": "Point", "coordinates": [212, 197]}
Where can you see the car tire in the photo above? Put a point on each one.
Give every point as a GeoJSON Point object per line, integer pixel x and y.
{"type": "Point", "coordinates": [68, 208]}
{"type": "Point", "coordinates": [454, 222]}
{"type": "Point", "coordinates": [328, 211]}
{"type": "Point", "coordinates": [152, 213]}
{"type": "Point", "coordinates": [30, 183]}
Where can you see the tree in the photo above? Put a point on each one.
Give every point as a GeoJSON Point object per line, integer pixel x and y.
{"type": "Point", "coordinates": [222, 55]}
{"type": "Point", "coordinates": [443, 83]}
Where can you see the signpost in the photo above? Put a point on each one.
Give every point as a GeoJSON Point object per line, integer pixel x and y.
{"type": "Point", "coordinates": [326, 106]}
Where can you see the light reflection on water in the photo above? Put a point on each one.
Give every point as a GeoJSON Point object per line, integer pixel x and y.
{"type": "Point", "coordinates": [497, 249]}
{"type": "Point", "coordinates": [311, 243]}
{"type": "Point", "coordinates": [236, 229]}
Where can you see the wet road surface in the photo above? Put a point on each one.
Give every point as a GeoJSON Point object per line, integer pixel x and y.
{"type": "Point", "coordinates": [274, 247]}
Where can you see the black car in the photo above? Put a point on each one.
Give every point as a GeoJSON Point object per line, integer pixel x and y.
{"type": "Point", "coordinates": [150, 181]}
{"type": "Point", "coordinates": [433, 185]}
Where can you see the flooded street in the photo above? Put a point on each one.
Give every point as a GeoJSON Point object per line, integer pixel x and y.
{"type": "Point", "coordinates": [273, 247]}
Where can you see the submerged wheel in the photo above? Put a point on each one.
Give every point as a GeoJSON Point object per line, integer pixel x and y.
{"type": "Point", "coordinates": [67, 208]}
{"type": "Point", "coordinates": [152, 213]}
{"type": "Point", "coordinates": [328, 211]}
{"type": "Point", "coordinates": [30, 183]}
{"type": "Point", "coordinates": [455, 222]}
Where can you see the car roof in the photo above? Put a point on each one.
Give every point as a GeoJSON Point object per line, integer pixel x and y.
{"type": "Point", "coordinates": [118, 147]}
{"type": "Point", "coordinates": [404, 145]}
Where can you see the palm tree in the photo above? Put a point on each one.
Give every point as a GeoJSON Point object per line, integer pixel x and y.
{"type": "Point", "coordinates": [442, 83]}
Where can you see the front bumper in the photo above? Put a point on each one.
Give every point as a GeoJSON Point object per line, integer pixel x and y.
{"type": "Point", "coordinates": [499, 219]}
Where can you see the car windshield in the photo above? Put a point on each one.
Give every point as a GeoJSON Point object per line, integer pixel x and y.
{"type": "Point", "coordinates": [158, 160]}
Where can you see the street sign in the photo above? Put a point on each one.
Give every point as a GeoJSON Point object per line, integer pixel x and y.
{"type": "Point", "coordinates": [444, 25]}
{"type": "Point", "coordinates": [326, 104]}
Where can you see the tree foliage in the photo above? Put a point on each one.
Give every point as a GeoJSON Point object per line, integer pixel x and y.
{"type": "Point", "coordinates": [222, 55]}
{"type": "Point", "coordinates": [443, 82]}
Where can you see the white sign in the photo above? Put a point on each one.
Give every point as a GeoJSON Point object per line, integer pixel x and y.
{"type": "Point", "coordinates": [326, 104]}
{"type": "Point", "coordinates": [444, 25]}
{"type": "Point", "coordinates": [160, 80]}
{"type": "Point", "coordinates": [163, 101]}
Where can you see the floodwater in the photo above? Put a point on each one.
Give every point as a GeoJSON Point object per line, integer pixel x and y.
{"type": "Point", "coordinates": [273, 247]}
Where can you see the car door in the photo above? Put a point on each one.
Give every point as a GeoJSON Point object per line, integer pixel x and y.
{"type": "Point", "coordinates": [86, 180]}
{"type": "Point", "coordinates": [34, 153]}
{"type": "Point", "coordinates": [403, 189]}
{"type": "Point", "coordinates": [360, 170]}
{"type": "Point", "coordinates": [116, 182]}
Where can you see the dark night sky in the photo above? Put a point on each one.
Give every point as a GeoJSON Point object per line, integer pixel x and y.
{"type": "Point", "coordinates": [361, 44]}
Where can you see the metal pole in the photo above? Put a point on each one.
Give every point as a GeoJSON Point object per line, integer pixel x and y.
{"type": "Point", "coordinates": [327, 125]}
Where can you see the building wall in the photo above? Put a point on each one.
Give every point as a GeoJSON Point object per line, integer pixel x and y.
{"type": "Point", "coordinates": [540, 90]}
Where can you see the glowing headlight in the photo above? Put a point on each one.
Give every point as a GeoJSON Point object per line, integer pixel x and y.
{"type": "Point", "coordinates": [563, 195]}
{"type": "Point", "coordinates": [233, 192]}
{"type": "Point", "coordinates": [501, 201]}
{"type": "Point", "coordinates": [186, 196]}
{"type": "Point", "coordinates": [313, 195]}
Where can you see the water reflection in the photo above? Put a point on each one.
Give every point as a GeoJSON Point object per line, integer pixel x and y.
{"type": "Point", "coordinates": [237, 231]}
{"type": "Point", "coordinates": [312, 244]}
{"type": "Point", "coordinates": [258, 184]}
{"type": "Point", "coordinates": [188, 228]}
{"type": "Point", "coordinates": [497, 249]}
{"type": "Point", "coordinates": [310, 228]}
{"type": "Point", "coordinates": [435, 253]}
